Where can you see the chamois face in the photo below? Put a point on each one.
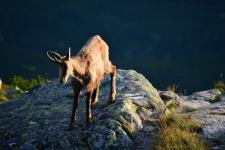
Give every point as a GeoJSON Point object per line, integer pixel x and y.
{"type": "Point", "coordinates": [65, 71]}
{"type": "Point", "coordinates": [64, 65]}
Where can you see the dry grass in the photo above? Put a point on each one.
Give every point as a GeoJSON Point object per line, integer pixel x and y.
{"type": "Point", "coordinates": [181, 121]}
{"type": "Point", "coordinates": [3, 93]}
{"type": "Point", "coordinates": [174, 138]}
{"type": "Point", "coordinates": [178, 132]}
{"type": "Point", "coordinates": [173, 105]}
{"type": "Point", "coordinates": [172, 88]}
{"type": "Point", "coordinates": [219, 85]}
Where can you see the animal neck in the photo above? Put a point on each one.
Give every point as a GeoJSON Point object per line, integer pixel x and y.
{"type": "Point", "coordinates": [78, 66]}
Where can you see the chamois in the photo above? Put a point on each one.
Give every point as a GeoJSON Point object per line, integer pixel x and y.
{"type": "Point", "coordinates": [85, 71]}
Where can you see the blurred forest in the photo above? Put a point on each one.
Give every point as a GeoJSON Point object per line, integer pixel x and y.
{"type": "Point", "coordinates": [180, 42]}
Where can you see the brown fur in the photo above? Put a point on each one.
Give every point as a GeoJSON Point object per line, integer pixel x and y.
{"type": "Point", "coordinates": [86, 70]}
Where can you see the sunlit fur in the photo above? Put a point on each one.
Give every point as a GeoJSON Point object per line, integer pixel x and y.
{"type": "Point", "coordinates": [86, 70]}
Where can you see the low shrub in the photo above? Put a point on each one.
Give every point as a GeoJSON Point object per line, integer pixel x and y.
{"type": "Point", "coordinates": [25, 84]}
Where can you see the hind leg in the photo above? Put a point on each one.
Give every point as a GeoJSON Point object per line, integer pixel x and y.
{"type": "Point", "coordinates": [94, 97]}
{"type": "Point", "coordinates": [113, 84]}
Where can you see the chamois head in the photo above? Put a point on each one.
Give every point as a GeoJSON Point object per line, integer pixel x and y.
{"type": "Point", "coordinates": [64, 65]}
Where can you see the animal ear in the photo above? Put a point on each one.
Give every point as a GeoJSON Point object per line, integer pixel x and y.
{"type": "Point", "coordinates": [68, 55]}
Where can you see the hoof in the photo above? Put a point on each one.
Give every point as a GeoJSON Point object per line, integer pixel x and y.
{"type": "Point", "coordinates": [112, 98]}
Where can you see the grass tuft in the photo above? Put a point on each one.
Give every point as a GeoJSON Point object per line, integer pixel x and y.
{"type": "Point", "coordinates": [181, 121]}
{"type": "Point", "coordinates": [172, 88]}
{"type": "Point", "coordinates": [220, 85]}
{"type": "Point", "coordinates": [179, 131]}
{"type": "Point", "coordinates": [173, 105]}
{"type": "Point", "coordinates": [174, 138]}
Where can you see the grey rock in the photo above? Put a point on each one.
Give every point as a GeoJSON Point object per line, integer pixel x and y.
{"type": "Point", "coordinates": [27, 146]}
{"type": "Point", "coordinates": [169, 95]}
{"type": "Point", "coordinates": [208, 95]}
{"type": "Point", "coordinates": [211, 115]}
{"type": "Point", "coordinates": [39, 119]}
{"type": "Point", "coordinates": [199, 100]}
{"type": "Point", "coordinates": [171, 100]}
{"type": "Point", "coordinates": [148, 129]}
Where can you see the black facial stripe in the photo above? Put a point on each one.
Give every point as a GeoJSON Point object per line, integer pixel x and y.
{"type": "Point", "coordinates": [64, 70]}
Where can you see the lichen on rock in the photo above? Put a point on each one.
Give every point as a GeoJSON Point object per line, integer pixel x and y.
{"type": "Point", "coordinates": [39, 119]}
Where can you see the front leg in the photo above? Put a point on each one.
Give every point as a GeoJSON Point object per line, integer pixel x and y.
{"type": "Point", "coordinates": [75, 105]}
{"type": "Point", "coordinates": [94, 98]}
{"type": "Point", "coordinates": [113, 85]}
{"type": "Point", "coordinates": [88, 108]}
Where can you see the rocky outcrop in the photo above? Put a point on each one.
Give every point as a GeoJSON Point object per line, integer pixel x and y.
{"type": "Point", "coordinates": [208, 107]}
{"type": "Point", "coordinates": [39, 119]}
{"type": "Point", "coordinates": [210, 110]}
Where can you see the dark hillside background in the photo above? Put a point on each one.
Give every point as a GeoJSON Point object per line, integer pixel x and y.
{"type": "Point", "coordinates": [181, 42]}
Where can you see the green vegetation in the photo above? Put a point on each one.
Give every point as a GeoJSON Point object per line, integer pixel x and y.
{"type": "Point", "coordinates": [3, 93]}
{"type": "Point", "coordinates": [174, 138]}
{"type": "Point", "coordinates": [178, 131]}
{"type": "Point", "coordinates": [182, 121]}
{"type": "Point", "coordinates": [3, 98]}
{"type": "Point", "coordinates": [17, 86]}
{"type": "Point", "coordinates": [25, 84]}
